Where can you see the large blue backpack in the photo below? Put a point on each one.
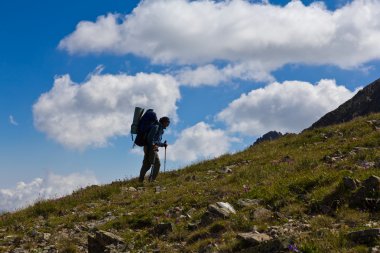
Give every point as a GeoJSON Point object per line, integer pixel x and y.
{"type": "Point", "coordinates": [146, 122]}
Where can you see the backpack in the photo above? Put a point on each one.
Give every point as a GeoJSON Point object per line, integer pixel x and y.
{"type": "Point", "coordinates": [144, 125]}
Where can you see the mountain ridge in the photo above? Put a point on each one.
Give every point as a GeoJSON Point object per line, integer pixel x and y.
{"type": "Point", "coordinates": [366, 101]}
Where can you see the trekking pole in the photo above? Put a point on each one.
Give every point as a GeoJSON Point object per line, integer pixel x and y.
{"type": "Point", "coordinates": [165, 157]}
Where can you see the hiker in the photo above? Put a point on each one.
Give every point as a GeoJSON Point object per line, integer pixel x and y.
{"type": "Point", "coordinates": [153, 142]}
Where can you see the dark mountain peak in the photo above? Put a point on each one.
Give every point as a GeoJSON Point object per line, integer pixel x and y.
{"type": "Point", "coordinates": [366, 101]}
{"type": "Point", "coordinates": [271, 135]}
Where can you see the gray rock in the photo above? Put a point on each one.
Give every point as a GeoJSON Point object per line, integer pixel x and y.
{"type": "Point", "coordinates": [367, 196]}
{"type": "Point", "coordinates": [253, 239]}
{"type": "Point", "coordinates": [102, 239]}
{"type": "Point", "coordinates": [249, 202]}
{"type": "Point", "coordinates": [222, 209]}
{"type": "Point", "coordinates": [350, 183]}
{"type": "Point", "coordinates": [262, 214]}
{"type": "Point", "coordinates": [368, 236]}
{"type": "Point", "coordinates": [366, 164]}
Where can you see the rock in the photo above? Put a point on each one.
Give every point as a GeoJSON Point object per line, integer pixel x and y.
{"type": "Point", "coordinates": [367, 196]}
{"type": "Point", "coordinates": [253, 239]}
{"type": "Point", "coordinates": [46, 236]}
{"type": "Point", "coordinates": [249, 202]}
{"type": "Point", "coordinates": [132, 189]}
{"type": "Point", "coordinates": [226, 170]}
{"type": "Point", "coordinates": [222, 209]}
{"type": "Point", "coordinates": [372, 183]}
{"type": "Point", "coordinates": [366, 164]}
{"type": "Point", "coordinates": [368, 236]}
{"type": "Point", "coordinates": [208, 217]}
{"type": "Point", "coordinates": [163, 228]}
{"type": "Point", "coordinates": [102, 239]}
{"type": "Point", "coordinates": [372, 203]}
{"type": "Point", "coordinates": [192, 226]}
{"type": "Point", "coordinates": [262, 214]}
{"type": "Point", "coordinates": [351, 184]}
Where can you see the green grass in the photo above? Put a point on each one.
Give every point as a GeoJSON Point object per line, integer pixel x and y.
{"type": "Point", "coordinates": [290, 176]}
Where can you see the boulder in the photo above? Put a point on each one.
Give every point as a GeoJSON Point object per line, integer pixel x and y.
{"type": "Point", "coordinates": [368, 236]}
{"type": "Point", "coordinates": [99, 242]}
{"type": "Point", "coordinates": [222, 209]}
{"type": "Point", "coordinates": [367, 196]}
{"type": "Point", "coordinates": [372, 183]}
{"type": "Point", "coordinates": [350, 183]}
{"type": "Point", "coordinates": [253, 238]}
{"type": "Point", "coordinates": [262, 214]}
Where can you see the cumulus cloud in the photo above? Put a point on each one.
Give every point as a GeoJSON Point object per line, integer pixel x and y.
{"type": "Point", "coordinates": [287, 107]}
{"type": "Point", "coordinates": [198, 142]}
{"type": "Point", "coordinates": [89, 114]}
{"type": "Point", "coordinates": [12, 120]}
{"type": "Point", "coordinates": [259, 36]}
{"type": "Point", "coordinates": [53, 186]}
{"type": "Point", "coordinates": [212, 76]}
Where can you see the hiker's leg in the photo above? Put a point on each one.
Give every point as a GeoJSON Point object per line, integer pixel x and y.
{"type": "Point", "coordinates": [156, 166]}
{"type": "Point", "coordinates": [146, 164]}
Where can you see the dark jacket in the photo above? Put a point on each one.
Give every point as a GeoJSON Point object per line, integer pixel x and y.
{"type": "Point", "coordinates": [154, 136]}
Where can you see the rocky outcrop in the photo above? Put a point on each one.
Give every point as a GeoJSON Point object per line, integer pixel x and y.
{"type": "Point", "coordinates": [363, 195]}
{"type": "Point", "coordinates": [363, 103]}
{"type": "Point", "coordinates": [270, 136]}
{"type": "Point", "coordinates": [368, 236]}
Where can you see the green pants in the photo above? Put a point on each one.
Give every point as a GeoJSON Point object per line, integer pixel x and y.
{"type": "Point", "coordinates": [150, 158]}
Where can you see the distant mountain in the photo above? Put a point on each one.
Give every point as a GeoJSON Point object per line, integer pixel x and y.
{"type": "Point", "coordinates": [363, 103]}
{"type": "Point", "coordinates": [270, 136]}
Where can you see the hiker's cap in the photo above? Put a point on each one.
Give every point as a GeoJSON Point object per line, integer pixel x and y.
{"type": "Point", "coordinates": [165, 119]}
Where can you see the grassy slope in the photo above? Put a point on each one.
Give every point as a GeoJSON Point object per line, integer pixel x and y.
{"type": "Point", "coordinates": [291, 188]}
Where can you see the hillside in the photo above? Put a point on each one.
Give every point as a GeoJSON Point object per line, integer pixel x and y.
{"type": "Point", "coordinates": [300, 193]}
{"type": "Point", "coordinates": [366, 101]}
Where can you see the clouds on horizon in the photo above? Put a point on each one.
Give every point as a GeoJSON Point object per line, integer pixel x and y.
{"type": "Point", "coordinates": [199, 142]}
{"type": "Point", "coordinates": [252, 38]}
{"type": "Point", "coordinates": [52, 186]}
{"type": "Point", "coordinates": [290, 106]}
{"type": "Point", "coordinates": [85, 115]}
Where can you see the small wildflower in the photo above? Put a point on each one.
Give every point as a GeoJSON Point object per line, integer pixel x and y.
{"type": "Point", "coordinates": [293, 248]}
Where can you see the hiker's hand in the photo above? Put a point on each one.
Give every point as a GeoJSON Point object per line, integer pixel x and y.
{"type": "Point", "coordinates": [165, 145]}
{"type": "Point", "coordinates": [155, 147]}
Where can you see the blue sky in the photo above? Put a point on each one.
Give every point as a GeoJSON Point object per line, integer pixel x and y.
{"type": "Point", "coordinates": [227, 71]}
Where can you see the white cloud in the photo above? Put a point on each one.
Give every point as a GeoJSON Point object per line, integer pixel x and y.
{"type": "Point", "coordinates": [53, 186]}
{"type": "Point", "coordinates": [287, 107]}
{"type": "Point", "coordinates": [89, 114]}
{"type": "Point", "coordinates": [198, 142]}
{"type": "Point", "coordinates": [212, 76]}
{"type": "Point", "coordinates": [260, 36]}
{"type": "Point", "coordinates": [12, 120]}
